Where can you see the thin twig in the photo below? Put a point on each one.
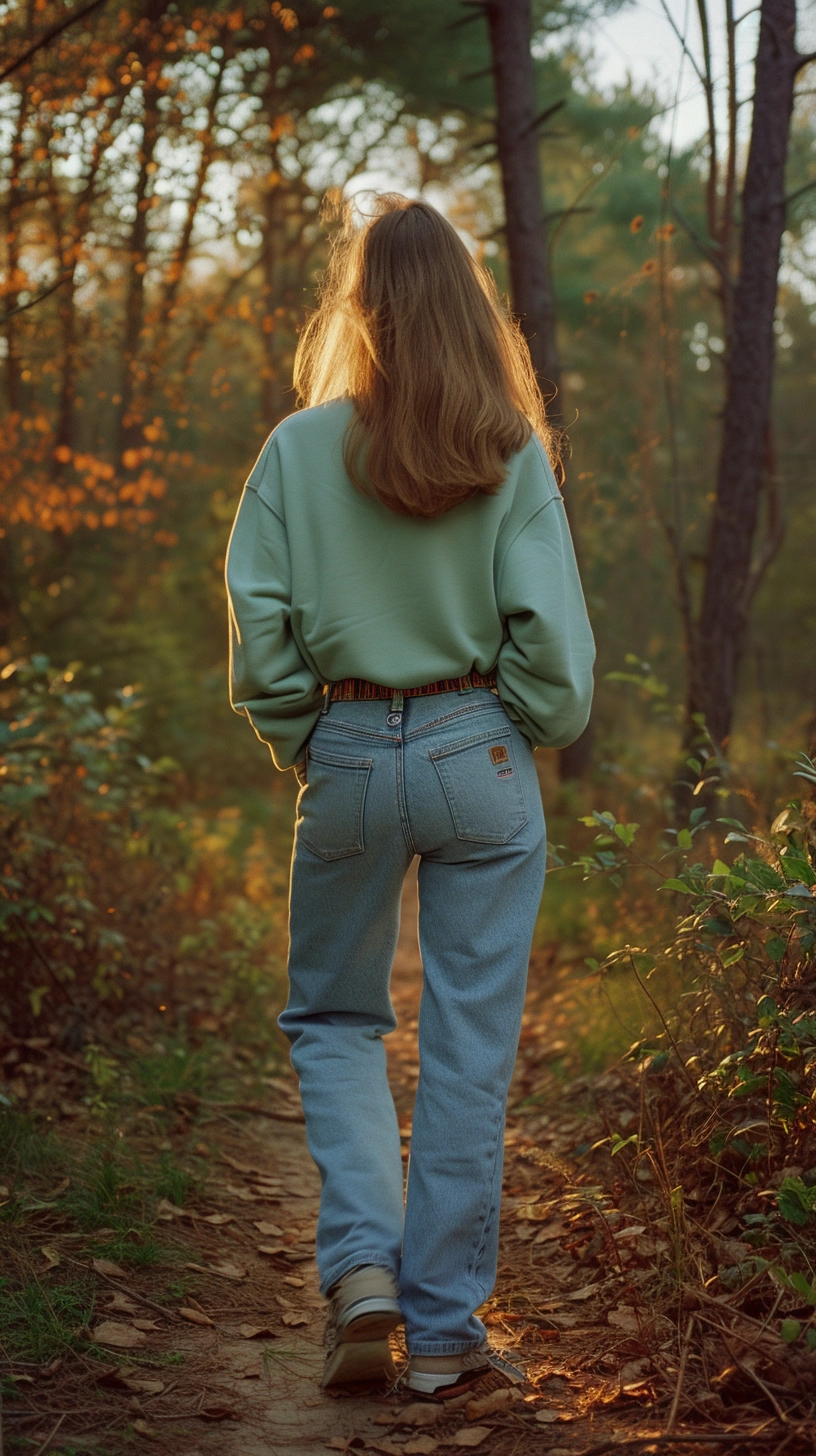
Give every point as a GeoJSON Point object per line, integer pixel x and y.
{"type": "Point", "coordinates": [50, 35]}
{"type": "Point", "coordinates": [672, 1416]}
{"type": "Point", "coordinates": [49, 1438]}
{"type": "Point", "coordinates": [131, 1293]}
{"type": "Point", "coordinates": [673, 1044]}
{"type": "Point", "coordinates": [32, 302]}
{"type": "Point", "coordinates": [689, 1438]}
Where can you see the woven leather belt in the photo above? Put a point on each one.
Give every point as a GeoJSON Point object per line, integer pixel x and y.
{"type": "Point", "coordinates": [354, 689]}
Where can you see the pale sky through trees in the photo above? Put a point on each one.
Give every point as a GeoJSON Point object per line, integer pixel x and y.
{"type": "Point", "coordinates": [640, 41]}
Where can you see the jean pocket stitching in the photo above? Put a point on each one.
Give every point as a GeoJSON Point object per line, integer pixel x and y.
{"type": "Point", "coordinates": [458, 808]}
{"type": "Point", "coordinates": [362, 767]}
{"type": "Point", "coordinates": [486, 736]}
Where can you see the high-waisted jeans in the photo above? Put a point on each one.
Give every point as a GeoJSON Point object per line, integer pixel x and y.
{"type": "Point", "coordinates": [448, 778]}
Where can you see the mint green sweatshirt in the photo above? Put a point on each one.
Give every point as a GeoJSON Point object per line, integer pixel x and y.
{"type": "Point", "coordinates": [325, 583]}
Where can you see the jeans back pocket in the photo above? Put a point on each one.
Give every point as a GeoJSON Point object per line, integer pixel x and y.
{"type": "Point", "coordinates": [330, 808]}
{"type": "Point", "coordinates": [480, 778]}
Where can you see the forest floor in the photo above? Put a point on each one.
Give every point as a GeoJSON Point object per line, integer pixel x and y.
{"type": "Point", "coordinates": [229, 1361]}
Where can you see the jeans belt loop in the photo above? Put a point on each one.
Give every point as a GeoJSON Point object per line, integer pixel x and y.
{"type": "Point", "coordinates": [327, 697]}
{"type": "Point", "coordinates": [397, 702]}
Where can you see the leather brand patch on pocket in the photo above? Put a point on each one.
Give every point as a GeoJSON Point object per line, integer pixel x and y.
{"type": "Point", "coordinates": [499, 754]}
{"type": "Point", "coordinates": [504, 773]}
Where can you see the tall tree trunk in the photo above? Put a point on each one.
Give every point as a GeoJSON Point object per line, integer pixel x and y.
{"type": "Point", "coordinates": [730, 575]}
{"type": "Point", "coordinates": [510, 23]}
{"type": "Point", "coordinates": [517, 125]}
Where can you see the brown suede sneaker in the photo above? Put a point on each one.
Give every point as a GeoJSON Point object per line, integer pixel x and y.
{"type": "Point", "coordinates": [440, 1377]}
{"type": "Point", "coordinates": [364, 1311]}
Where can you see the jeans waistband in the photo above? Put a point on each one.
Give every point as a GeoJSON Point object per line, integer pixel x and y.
{"type": "Point", "coordinates": [356, 689]}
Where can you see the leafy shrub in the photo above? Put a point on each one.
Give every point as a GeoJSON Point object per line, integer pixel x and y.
{"type": "Point", "coordinates": [724, 1156]}
{"type": "Point", "coordinates": [113, 902]}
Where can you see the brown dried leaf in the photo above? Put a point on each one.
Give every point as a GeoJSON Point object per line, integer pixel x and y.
{"type": "Point", "coordinates": [218, 1219]}
{"type": "Point", "coordinates": [270, 1249]}
{"type": "Point", "coordinates": [107, 1267]}
{"type": "Point", "coordinates": [143, 1429]}
{"type": "Point", "coordinates": [143, 1387]}
{"type": "Point", "coordinates": [255, 1332]}
{"type": "Point", "coordinates": [418, 1413]}
{"type": "Point", "coordinates": [167, 1210]}
{"type": "Point", "coordinates": [624, 1317]}
{"type": "Point", "coordinates": [295, 1282]}
{"type": "Point", "coordinates": [223, 1270]}
{"type": "Point", "coordinates": [195, 1316]}
{"type": "Point", "coordinates": [218, 1413]}
{"type": "Point", "coordinates": [145, 1324]}
{"type": "Point", "coordinates": [292, 1318]}
{"type": "Point", "coordinates": [51, 1256]}
{"type": "Point", "coordinates": [269, 1230]}
{"type": "Point", "coordinates": [122, 1302]}
{"type": "Point", "coordinates": [122, 1337]}
{"type": "Point", "coordinates": [487, 1404]}
{"type": "Point", "coordinates": [587, 1292]}
{"type": "Point", "coordinates": [420, 1445]}
{"type": "Point", "coordinates": [471, 1436]}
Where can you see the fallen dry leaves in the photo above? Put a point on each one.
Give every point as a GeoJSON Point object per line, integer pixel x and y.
{"type": "Point", "coordinates": [194, 1316]}
{"type": "Point", "coordinates": [120, 1336]}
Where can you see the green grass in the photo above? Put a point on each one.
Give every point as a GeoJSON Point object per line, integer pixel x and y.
{"type": "Point", "coordinates": [39, 1320]}
{"type": "Point", "coordinates": [158, 1078]}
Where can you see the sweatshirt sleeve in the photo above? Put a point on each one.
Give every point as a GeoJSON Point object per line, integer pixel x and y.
{"type": "Point", "coordinates": [545, 663]}
{"type": "Point", "coordinates": [270, 683]}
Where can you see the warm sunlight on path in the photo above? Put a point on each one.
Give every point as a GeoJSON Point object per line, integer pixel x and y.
{"type": "Point", "coordinates": [272, 1385]}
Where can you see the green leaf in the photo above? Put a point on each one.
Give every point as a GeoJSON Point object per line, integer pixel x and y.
{"type": "Point", "coordinates": [795, 1201]}
{"type": "Point", "coordinates": [775, 948]}
{"type": "Point", "coordinates": [626, 832]}
{"type": "Point", "coordinates": [36, 997]}
{"type": "Point", "coordinates": [619, 1143]}
{"type": "Point", "coordinates": [684, 839]}
{"type": "Point", "coordinates": [730, 957]}
{"type": "Point", "coordinates": [677, 885]}
{"type": "Point", "coordinates": [803, 1286]}
{"type": "Point", "coordinates": [790, 1330]}
{"type": "Point", "coordinates": [696, 765]}
{"type": "Point", "coordinates": [720, 868]}
{"type": "Point", "coordinates": [591, 962]}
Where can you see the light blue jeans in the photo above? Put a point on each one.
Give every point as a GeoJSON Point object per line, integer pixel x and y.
{"type": "Point", "coordinates": [448, 778]}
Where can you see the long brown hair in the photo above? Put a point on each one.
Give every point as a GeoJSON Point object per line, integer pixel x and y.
{"type": "Point", "coordinates": [411, 329]}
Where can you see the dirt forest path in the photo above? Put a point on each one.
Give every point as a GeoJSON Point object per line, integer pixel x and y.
{"type": "Point", "coordinates": [262, 1395]}
{"type": "Point", "coordinates": [226, 1361]}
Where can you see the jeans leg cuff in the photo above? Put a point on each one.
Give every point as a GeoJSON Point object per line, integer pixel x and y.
{"type": "Point", "coordinates": [337, 1271]}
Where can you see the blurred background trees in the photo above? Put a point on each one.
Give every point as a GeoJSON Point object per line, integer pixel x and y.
{"type": "Point", "coordinates": [162, 172]}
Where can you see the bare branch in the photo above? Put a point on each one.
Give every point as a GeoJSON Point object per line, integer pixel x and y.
{"type": "Point", "coordinates": [32, 302]}
{"type": "Point", "coordinates": [708, 87]}
{"type": "Point", "coordinates": [686, 52]}
{"type": "Point", "coordinates": [708, 250]}
{"type": "Point", "coordinates": [726, 233]}
{"type": "Point", "coordinates": [48, 37]}
{"type": "Point", "coordinates": [800, 191]}
{"type": "Point", "coordinates": [545, 115]}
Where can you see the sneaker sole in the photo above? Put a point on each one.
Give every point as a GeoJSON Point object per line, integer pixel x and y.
{"type": "Point", "coordinates": [427, 1386]}
{"type": "Point", "coordinates": [374, 1323]}
{"type": "Point", "coordinates": [359, 1360]}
